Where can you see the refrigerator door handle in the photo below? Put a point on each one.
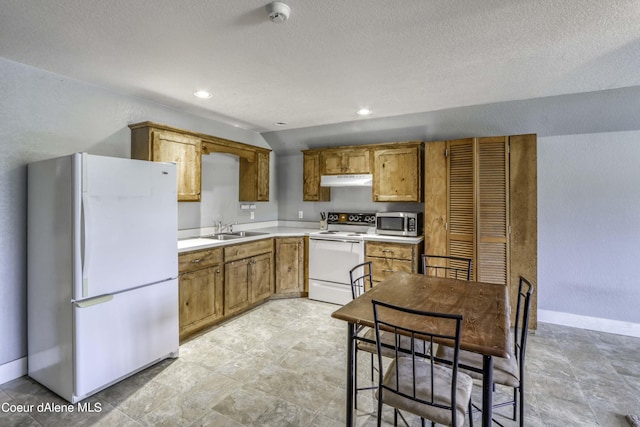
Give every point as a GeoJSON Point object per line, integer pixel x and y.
{"type": "Point", "coordinates": [93, 301]}
{"type": "Point", "coordinates": [84, 242]}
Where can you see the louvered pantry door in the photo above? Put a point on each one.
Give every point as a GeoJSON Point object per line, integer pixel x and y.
{"type": "Point", "coordinates": [461, 200]}
{"type": "Point", "coordinates": [492, 183]}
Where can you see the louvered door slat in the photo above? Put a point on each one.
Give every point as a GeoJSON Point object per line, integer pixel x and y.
{"type": "Point", "coordinates": [492, 219]}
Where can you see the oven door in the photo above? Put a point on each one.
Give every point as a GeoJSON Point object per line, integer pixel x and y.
{"type": "Point", "coordinates": [331, 260]}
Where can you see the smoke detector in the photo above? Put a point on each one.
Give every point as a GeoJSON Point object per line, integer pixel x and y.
{"type": "Point", "coordinates": [278, 12]}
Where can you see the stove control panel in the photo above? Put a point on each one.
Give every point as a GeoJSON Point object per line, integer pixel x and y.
{"type": "Point", "coordinates": [351, 218]}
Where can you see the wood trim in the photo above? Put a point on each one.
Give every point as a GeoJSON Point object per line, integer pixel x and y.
{"type": "Point", "coordinates": [435, 197]}
{"type": "Point", "coordinates": [214, 142]}
{"type": "Point", "coordinates": [524, 216]}
{"type": "Point", "coordinates": [395, 144]}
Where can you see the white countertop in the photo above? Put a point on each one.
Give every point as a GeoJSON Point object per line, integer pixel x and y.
{"type": "Point", "coordinates": [195, 243]}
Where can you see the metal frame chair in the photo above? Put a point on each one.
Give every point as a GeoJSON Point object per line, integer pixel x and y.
{"type": "Point", "coordinates": [507, 372]}
{"type": "Point", "coordinates": [455, 267]}
{"type": "Point", "coordinates": [415, 381]}
{"type": "Point", "coordinates": [361, 281]}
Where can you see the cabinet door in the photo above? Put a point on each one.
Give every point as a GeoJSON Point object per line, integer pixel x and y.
{"type": "Point", "coordinates": [311, 190]}
{"type": "Point", "coordinates": [331, 162]}
{"type": "Point", "coordinates": [461, 202]}
{"type": "Point", "coordinates": [186, 152]}
{"type": "Point", "coordinates": [236, 291]}
{"type": "Point", "coordinates": [263, 176]}
{"type": "Point", "coordinates": [254, 178]}
{"type": "Point", "coordinates": [289, 265]}
{"type": "Point", "coordinates": [260, 277]}
{"type": "Point", "coordinates": [200, 299]}
{"type": "Point", "coordinates": [356, 160]}
{"type": "Point", "coordinates": [396, 175]}
{"type": "Point", "coordinates": [492, 210]}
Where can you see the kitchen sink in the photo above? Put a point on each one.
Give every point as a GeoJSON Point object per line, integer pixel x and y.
{"type": "Point", "coordinates": [234, 235]}
{"type": "Point", "coordinates": [222, 236]}
{"type": "Point", "coordinates": [246, 233]}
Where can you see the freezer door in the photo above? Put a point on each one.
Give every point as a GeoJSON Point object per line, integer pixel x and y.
{"type": "Point", "coordinates": [127, 225]}
{"type": "Point", "coordinates": [116, 335]}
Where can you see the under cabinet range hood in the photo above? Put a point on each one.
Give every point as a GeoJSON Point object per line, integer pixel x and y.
{"type": "Point", "coordinates": [352, 180]}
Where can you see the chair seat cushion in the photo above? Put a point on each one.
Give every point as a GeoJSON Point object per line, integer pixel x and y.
{"type": "Point", "coordinates": [442, 377]}
{"type": "Point", "coordinates": [387, 343]}
{"type": "Point", "coordinates": [505, 370]}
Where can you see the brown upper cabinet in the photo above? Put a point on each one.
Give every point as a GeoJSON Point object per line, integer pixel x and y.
{"type": "Point", "coordinates": [311, 189]}
{"type": "Point", "coordinates": [345, 161]}
{"type": "Point", "coordinates": [160, 143]}
{"type": "Point", "coordinates": [254, 178]}
{"type": "Point", "coordinates": [397, 173]}
{"type": "Point", "coordinates": [396, 168]}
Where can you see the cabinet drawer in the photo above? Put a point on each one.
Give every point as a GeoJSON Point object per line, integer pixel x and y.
{"type": "Point", "coordinates": [382, 268]}
{"type": "Point", "coordinates": [389, 250]}
{"type": "Point", "coordinates": [245, 250]}
{"type": "Point", "coordinates": [196, 260]}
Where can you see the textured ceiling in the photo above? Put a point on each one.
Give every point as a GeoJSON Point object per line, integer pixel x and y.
{"type": "Point", "coordinates": [332, 56]}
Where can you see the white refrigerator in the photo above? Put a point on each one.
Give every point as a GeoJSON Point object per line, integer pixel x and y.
{"type": "Point", "coordinates": [102, 289]}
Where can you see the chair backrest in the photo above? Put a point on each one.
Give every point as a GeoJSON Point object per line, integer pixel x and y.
{"type": "Point", "coordinates": [521, 327]}
{"type": "Point", "coordinates": [361, 279]}
{"type": "Point", "coordinates": [423, 328]}
{"type": "Point", "coordinates": [446, 266]}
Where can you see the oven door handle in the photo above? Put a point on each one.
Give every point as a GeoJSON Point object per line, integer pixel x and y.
{"type": "Point", "coordinates": [335, 240]}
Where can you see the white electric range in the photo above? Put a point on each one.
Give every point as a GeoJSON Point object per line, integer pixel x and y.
{"type": "Point", "coordinates": [334, 252]}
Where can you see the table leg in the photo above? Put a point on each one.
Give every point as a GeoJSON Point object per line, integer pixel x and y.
{"type": "Point", "coordinates": [350, 373]}
{"type": "Point", "coordinates": [487, 390]}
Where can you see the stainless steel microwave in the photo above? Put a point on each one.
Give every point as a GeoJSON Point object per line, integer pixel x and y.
{"type": "Point", "coordinates": [399, 223]}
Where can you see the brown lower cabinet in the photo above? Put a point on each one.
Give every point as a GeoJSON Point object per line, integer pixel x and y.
{"type": "Point", "coordinates": [390, 257]}
{"type": "Point", "coordinates": [247, 281]}
{"type": "Point", "coordinates": [215, 284]}
{"type": "Point", "coordinates": [201, 290]}
{"type": "Point", "coordinates": [290, 266]}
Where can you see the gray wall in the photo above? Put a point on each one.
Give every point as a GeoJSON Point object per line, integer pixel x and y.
{"type": "Point", "coordinates": [589, 225]}
{"type": "Point", "coordinates": [44, 115]}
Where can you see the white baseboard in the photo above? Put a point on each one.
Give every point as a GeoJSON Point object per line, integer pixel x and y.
{"type": "Point", "coordinates": [12, 370]}
{"type": "Point", "coordinates": [593, 323]}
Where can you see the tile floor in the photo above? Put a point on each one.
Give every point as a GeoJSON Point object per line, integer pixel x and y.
{"type": "Point", "coordinates": [283, 364]}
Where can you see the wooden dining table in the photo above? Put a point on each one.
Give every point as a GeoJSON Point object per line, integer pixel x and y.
{"type": "Point", "coordinates": [485, 320]}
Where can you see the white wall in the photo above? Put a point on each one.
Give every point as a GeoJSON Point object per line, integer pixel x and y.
{"type": "Point", "coordinates": [589, 225]}
{"type": "Point", "coordinates": [45, 115]}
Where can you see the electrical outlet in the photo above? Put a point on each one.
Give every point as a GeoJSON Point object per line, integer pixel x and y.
{"type": "Point", "coordinates": [253, 215]}
{"type": "Point", "coordinates": [300, 214]}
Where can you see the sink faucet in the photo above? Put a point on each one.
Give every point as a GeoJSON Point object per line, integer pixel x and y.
{"type": "Point", "coordinates": [222, 227]}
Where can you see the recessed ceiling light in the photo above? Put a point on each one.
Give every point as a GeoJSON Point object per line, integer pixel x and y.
{"type": "Point", "coordinates": [202, 94]}
{"type": "Point", "coordinates": [363, 112]}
